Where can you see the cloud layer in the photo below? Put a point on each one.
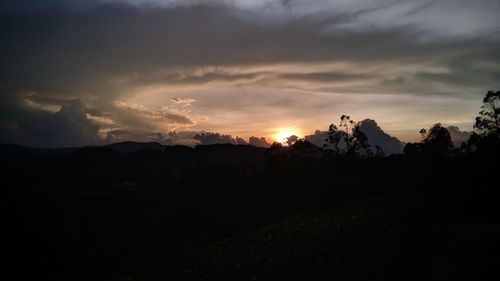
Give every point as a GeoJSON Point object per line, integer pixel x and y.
{"type": "Point", "coordinates": [139, 68]}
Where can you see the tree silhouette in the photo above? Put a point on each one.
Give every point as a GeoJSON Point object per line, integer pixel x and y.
{"type": "Point", "coordinates": [423, 133]}
{"type": "Point", "coordinates": [413, 149]}
{"type": "Point", "coordinates": [276, 151]}
{"type": "Point", "coordinates": [291, 140]}
{"type": "Point", "coordinates": [347, 138]}
{"type": "Point", "coordinates": [435, 142]}
{"type": "Point", "coordinates": [489, 120]}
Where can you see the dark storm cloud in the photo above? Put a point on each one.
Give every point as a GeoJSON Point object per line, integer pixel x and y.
{"type": "Point", "coordinates": [325, 76]}
{"type": "Point", "coordinates": [68, 51]}
{"type": "Point", "coordinates": [67, 127]}
{"type": "Point", "coordinates": [101, 51]}
{"type": "Point", "coordinates": [463, 76]}
{"type": "Point", "coordinates": [33, 5]}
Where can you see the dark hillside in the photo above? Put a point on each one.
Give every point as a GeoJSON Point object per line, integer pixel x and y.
{"type": "Point", "coordinates": [101, 214]}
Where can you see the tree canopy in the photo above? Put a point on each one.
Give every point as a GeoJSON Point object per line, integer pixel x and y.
{"type": "Point", "coordinates": [347, 138]}
{"type": "Point", "coordinates": [488, 121]}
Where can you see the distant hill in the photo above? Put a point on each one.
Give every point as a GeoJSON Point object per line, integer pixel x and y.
{"type": "Point", "coordinates": [145, 211]}
{"type": "Point", "coordinates": [15, 150]}
{"type": "Point", "coordinates": [139, 156]}
{"type": "Point", "coordinates": [131, 146]}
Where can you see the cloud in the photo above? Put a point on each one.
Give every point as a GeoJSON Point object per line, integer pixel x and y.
{"type": "Point", "coordinates": [325, 76]}
{"type": "Point", "coordinates": [188, 138]}
{"type": "Point", "coordinates": [247, 64]}
{"type": "Point", "coordinates": [318, 138]}
{"type": "Point", "coordinates": [67, 127]}
{"type": "Point", "coordinates": [207, 138]}
{"type": "Point", "coordinates": [34, 5]}
{"type": "Point", "coordinates": [145, 40]}
{"type": "Point", "coordinates": [378, 138]}
{"type": "Point", "coordinates": [181, 101]}
{"type": "Point", "coordinates": [50, 107]}
{"type": "Point", "coordinates": [180, 138]}
{"type": "Point", "coordinates": [162, 119]}
{"type": "Point", "coordinates": [241, 141]}
{"type": "Point", "coordinates": [114, 136]}
{"type": "Point", "coordinates": [202, 76]}
{"type": "Point", "coordinates": [457, 136]}
{"type": "Point", "coordinates": [259, 142]}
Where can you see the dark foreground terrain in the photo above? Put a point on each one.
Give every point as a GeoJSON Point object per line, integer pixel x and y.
{"type": "Point", "coordinates": [136, 211]}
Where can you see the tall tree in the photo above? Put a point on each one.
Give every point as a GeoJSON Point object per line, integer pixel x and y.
{"type": "Point", "coordinates": [347, 138]}
{"type": "Point", "coordinates": [436, 142]}
{"type": "Point", "coordinates": [488, 121]}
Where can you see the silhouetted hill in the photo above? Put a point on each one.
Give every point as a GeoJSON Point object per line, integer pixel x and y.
{"type": "Point", "coordinates": [368, 241]}
{"type": "Point", "coordinates": [15, 151]}
{"type": "Point", "coordinates": [130, 146]}
{"type": "Point", "coordinates": [201, 154]}
{"type": "Point", "coordinates": [236, 212]}
{"type": "Point", "coordinates": [228, 153]}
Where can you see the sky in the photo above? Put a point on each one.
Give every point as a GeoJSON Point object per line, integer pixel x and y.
{"type": "Point", "coordinates": [92, 72]}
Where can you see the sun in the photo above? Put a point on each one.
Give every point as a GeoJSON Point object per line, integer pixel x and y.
{"type": "Point", "coordinates": [282, 134]}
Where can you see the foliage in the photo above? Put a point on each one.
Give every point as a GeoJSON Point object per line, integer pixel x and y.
{"type": "Point", "coordinates": [347, 138]}
{"type": "Point", "coordinates": [291, 140]}
{"type": "Point", "coordinates": [438, 141]}
{"type": "Point", "coordinates": [488, 121]}
{"type": "Point", "coordinates": [435, 143]}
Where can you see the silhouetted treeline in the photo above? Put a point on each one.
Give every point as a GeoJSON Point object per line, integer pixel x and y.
{"type": "Point", "coordinates": [143, 211]}
{"type": "Point", "coordinates": [485, 140]}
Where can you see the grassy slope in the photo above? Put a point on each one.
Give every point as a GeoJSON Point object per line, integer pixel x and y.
{"type": "Point", "coordinates": [366, 242]}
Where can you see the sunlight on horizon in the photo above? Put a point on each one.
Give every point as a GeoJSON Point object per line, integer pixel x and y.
{"type": "Point", "coordinates": [283, 133]}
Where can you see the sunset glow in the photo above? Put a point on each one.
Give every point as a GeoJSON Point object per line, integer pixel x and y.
{"type": "Point", "coordinates": [282, 135]}
{"type": "Point", "coordinates": [250, 139]}
{"type": "Point", "coordinates": [257, 69]}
